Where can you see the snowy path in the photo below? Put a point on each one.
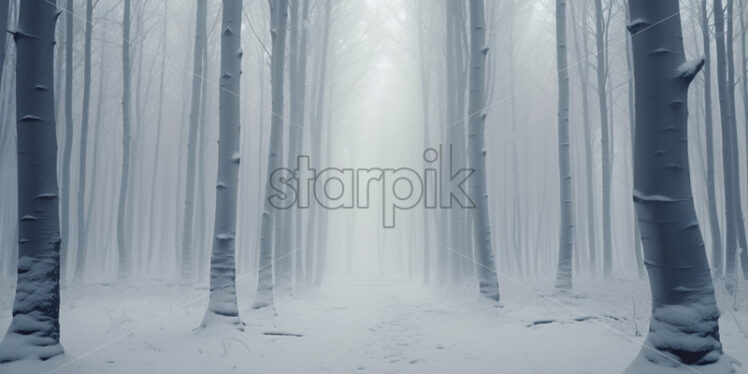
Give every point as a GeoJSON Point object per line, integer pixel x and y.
{"type": "Point", "coordinates": [354, 326]}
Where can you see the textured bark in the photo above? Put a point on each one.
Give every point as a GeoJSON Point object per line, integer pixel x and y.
{"type": "Point", "coordinates": [189, 197]}
{"type": "Point", "coordinates": [278, 20]}
{"type": "Point", "coordinates": [566, 237]}
{"type": "Point", "coordinates": [602, 95]}
{"type": "Point", "coordinates": [684, 325]}
{"type": "Point", "coordinates": [34, 331]}
{"type": "Point", "coordinates": [488, 283]}
{"type": "Point", "coordinates": [222, 302]}
{"type": "Point", "coordinates": [122, 243]}
{"type": "Point", "coordinates": [80, 258]}
{"type": "Point", "coordinates": [717, 250]}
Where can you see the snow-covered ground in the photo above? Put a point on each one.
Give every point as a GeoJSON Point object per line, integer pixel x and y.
{"type": "Point", "coordinates": [362, 325]}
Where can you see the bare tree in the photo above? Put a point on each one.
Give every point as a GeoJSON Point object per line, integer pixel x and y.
{"type": "Point", "coordinates": [222, 302]}
{"type": "Point", "coordinates": [683, 304]}
{"type": "Point", "coordinates": [34, 331]}
{"type": "Point", "coordinates": [122, 242]}
{"type": "Point", "coordinates": [488, 283]}
{"type": "Point", "coordinates": [197, 81]}
{"type": "Point", "coordinates": [279, 16]}
{"type": "Point", "coordinates": [566, 239]}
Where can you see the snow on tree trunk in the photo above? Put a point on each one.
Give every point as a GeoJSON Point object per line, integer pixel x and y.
{"type": "Point", "coordinates": [34, 331]}
{"type": "Point", "coordinates": [222, 302]}
{"type": "Point", "coordinates": [122, 243]}
{"type": "Point", "coordinates": [683, 328]}
{"type": "Point", "coordinates": [566, 239]}
{"type": "Point", "coordinates": [278, 16]}
{"type": "Point", "coordinates": [80, 258]}
{"type": "Point", "coordinates": [488, 283]}
{"type": "Point", "coordinates": [189, 197]}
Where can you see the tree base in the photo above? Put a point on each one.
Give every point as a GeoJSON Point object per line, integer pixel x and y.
{"type": "Point", "coordinates": [16, 347]}
{"type": "Point", "coordinates": [669, 364]}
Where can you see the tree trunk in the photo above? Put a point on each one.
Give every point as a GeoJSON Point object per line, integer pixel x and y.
{"type": "Point", "coordinates": [566, 239]}
{"type": "Point", "coordinates": [4, 4]}
{"type": "Point", "coordinates": [489, 285]}
{"type": "Point", "coordinates": [278, 20]}
{"type": "Point", "coordinates": [717, 250]}
{"type": "Point", "coordinates": [726, 115]}
{"type": "Point", "coordinates": [223, 302]}
{"type": "Point", "coordinates": [68, 147]}
{"type": "Point", "coordinates": [34, 331]}
{"type": "Point", "coordinates": [605, 136]}
{"type": "Point", "coordinates": [123, 250]}
{"type": "Point", "coordinates": [80, 258]}
{"type": "Point", "coordinates": [581, 53]}
{"type": "Point", "coordinates": [744, 85]}
{"type": "Point", "coordinates": [189, 197]}
{"type": "Point", "coordinates": [683, 303]}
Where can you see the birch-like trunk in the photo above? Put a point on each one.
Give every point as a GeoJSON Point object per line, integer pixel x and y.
{"type": "Point", "coordinates": [566, 238]}
{"type": "Point", "coordinates": [278, 20]}
{"type": "Point", "coordinates": [683, 327]}
{"type": "Point", "coordinates": [189, 197]}
{"type": "Point", "coordinates": [34, 331]}
{"type": "Point", "coordinates": [122, 243]}
{"type": "Point", "coordinates": [488, 283]}
{"type": "Point", "coordinates": [80, 258]}
{"type": "Point", "coordinates": [223, 304]}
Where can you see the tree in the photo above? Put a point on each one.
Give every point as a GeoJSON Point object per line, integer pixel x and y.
{"type": "Point", "coordinates": [68, 145]}
{"type": "Point", "coordinates": [197, 81]}
{"type": "Point", "coordinates": [602, 72]}
{"type": "Point", "coordinates": [34, 331]}
{"type": "Point", "coordinates": [717, 262]}
{"type": "Point", "coordinates": [488, 283]}
{"type": "Point", "coordinates": [4, 4]}
{"type": "Point", "coordinates": [278, 17]}
{"type": "Point", "coordinates": [122, 244]}
{"type": "Point", "coordinates": [80, 258]}
{"type": "Point", "coordinates": [683, 303]}
{"type": "Point", "coordinates": [566, 239]}
{"type": "Point", "coordinates": [222, 302]}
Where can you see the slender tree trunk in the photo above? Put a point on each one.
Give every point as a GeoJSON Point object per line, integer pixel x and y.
{"type": "Point", "coordinates": [489, 284]}
{"type": "Point", "coordinates": [744, 85]}
{"type": "Point", "coordinates": [424, 56]}
{"type": "Point", "coordinates": [605, 136]}
{"type": "Point", "coordinates": [566, 239]}
{"type": "Point", "coordinates": [583, 68]}
{"type": "Point", "coordinates": [34, 331]}
{"type": "Point", "coordinates": [727, 151]}
{"type": "Point", "coordinates": [188, 247]}
{"type": "Point", "coordinates": [124, 251]}
{"type": "Point", "coordinates": [223, 302]}
{"type": "Point", "coordinates": [157, 150]}
{"type": "Point", "coordinates": [717, 250]}
{"type": "Point", "coordinates": [632, 128]}
{"type": "Point", "coordinates": [80, 262]}
{"type": "Point", "coordinates": [68, 147]}
{"type": "Point", "coordinates": [4, 5]}
{"type": "Point", "coordinates": [684, 307]}
{"type": "Point", "coordinates": [278, 16]}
